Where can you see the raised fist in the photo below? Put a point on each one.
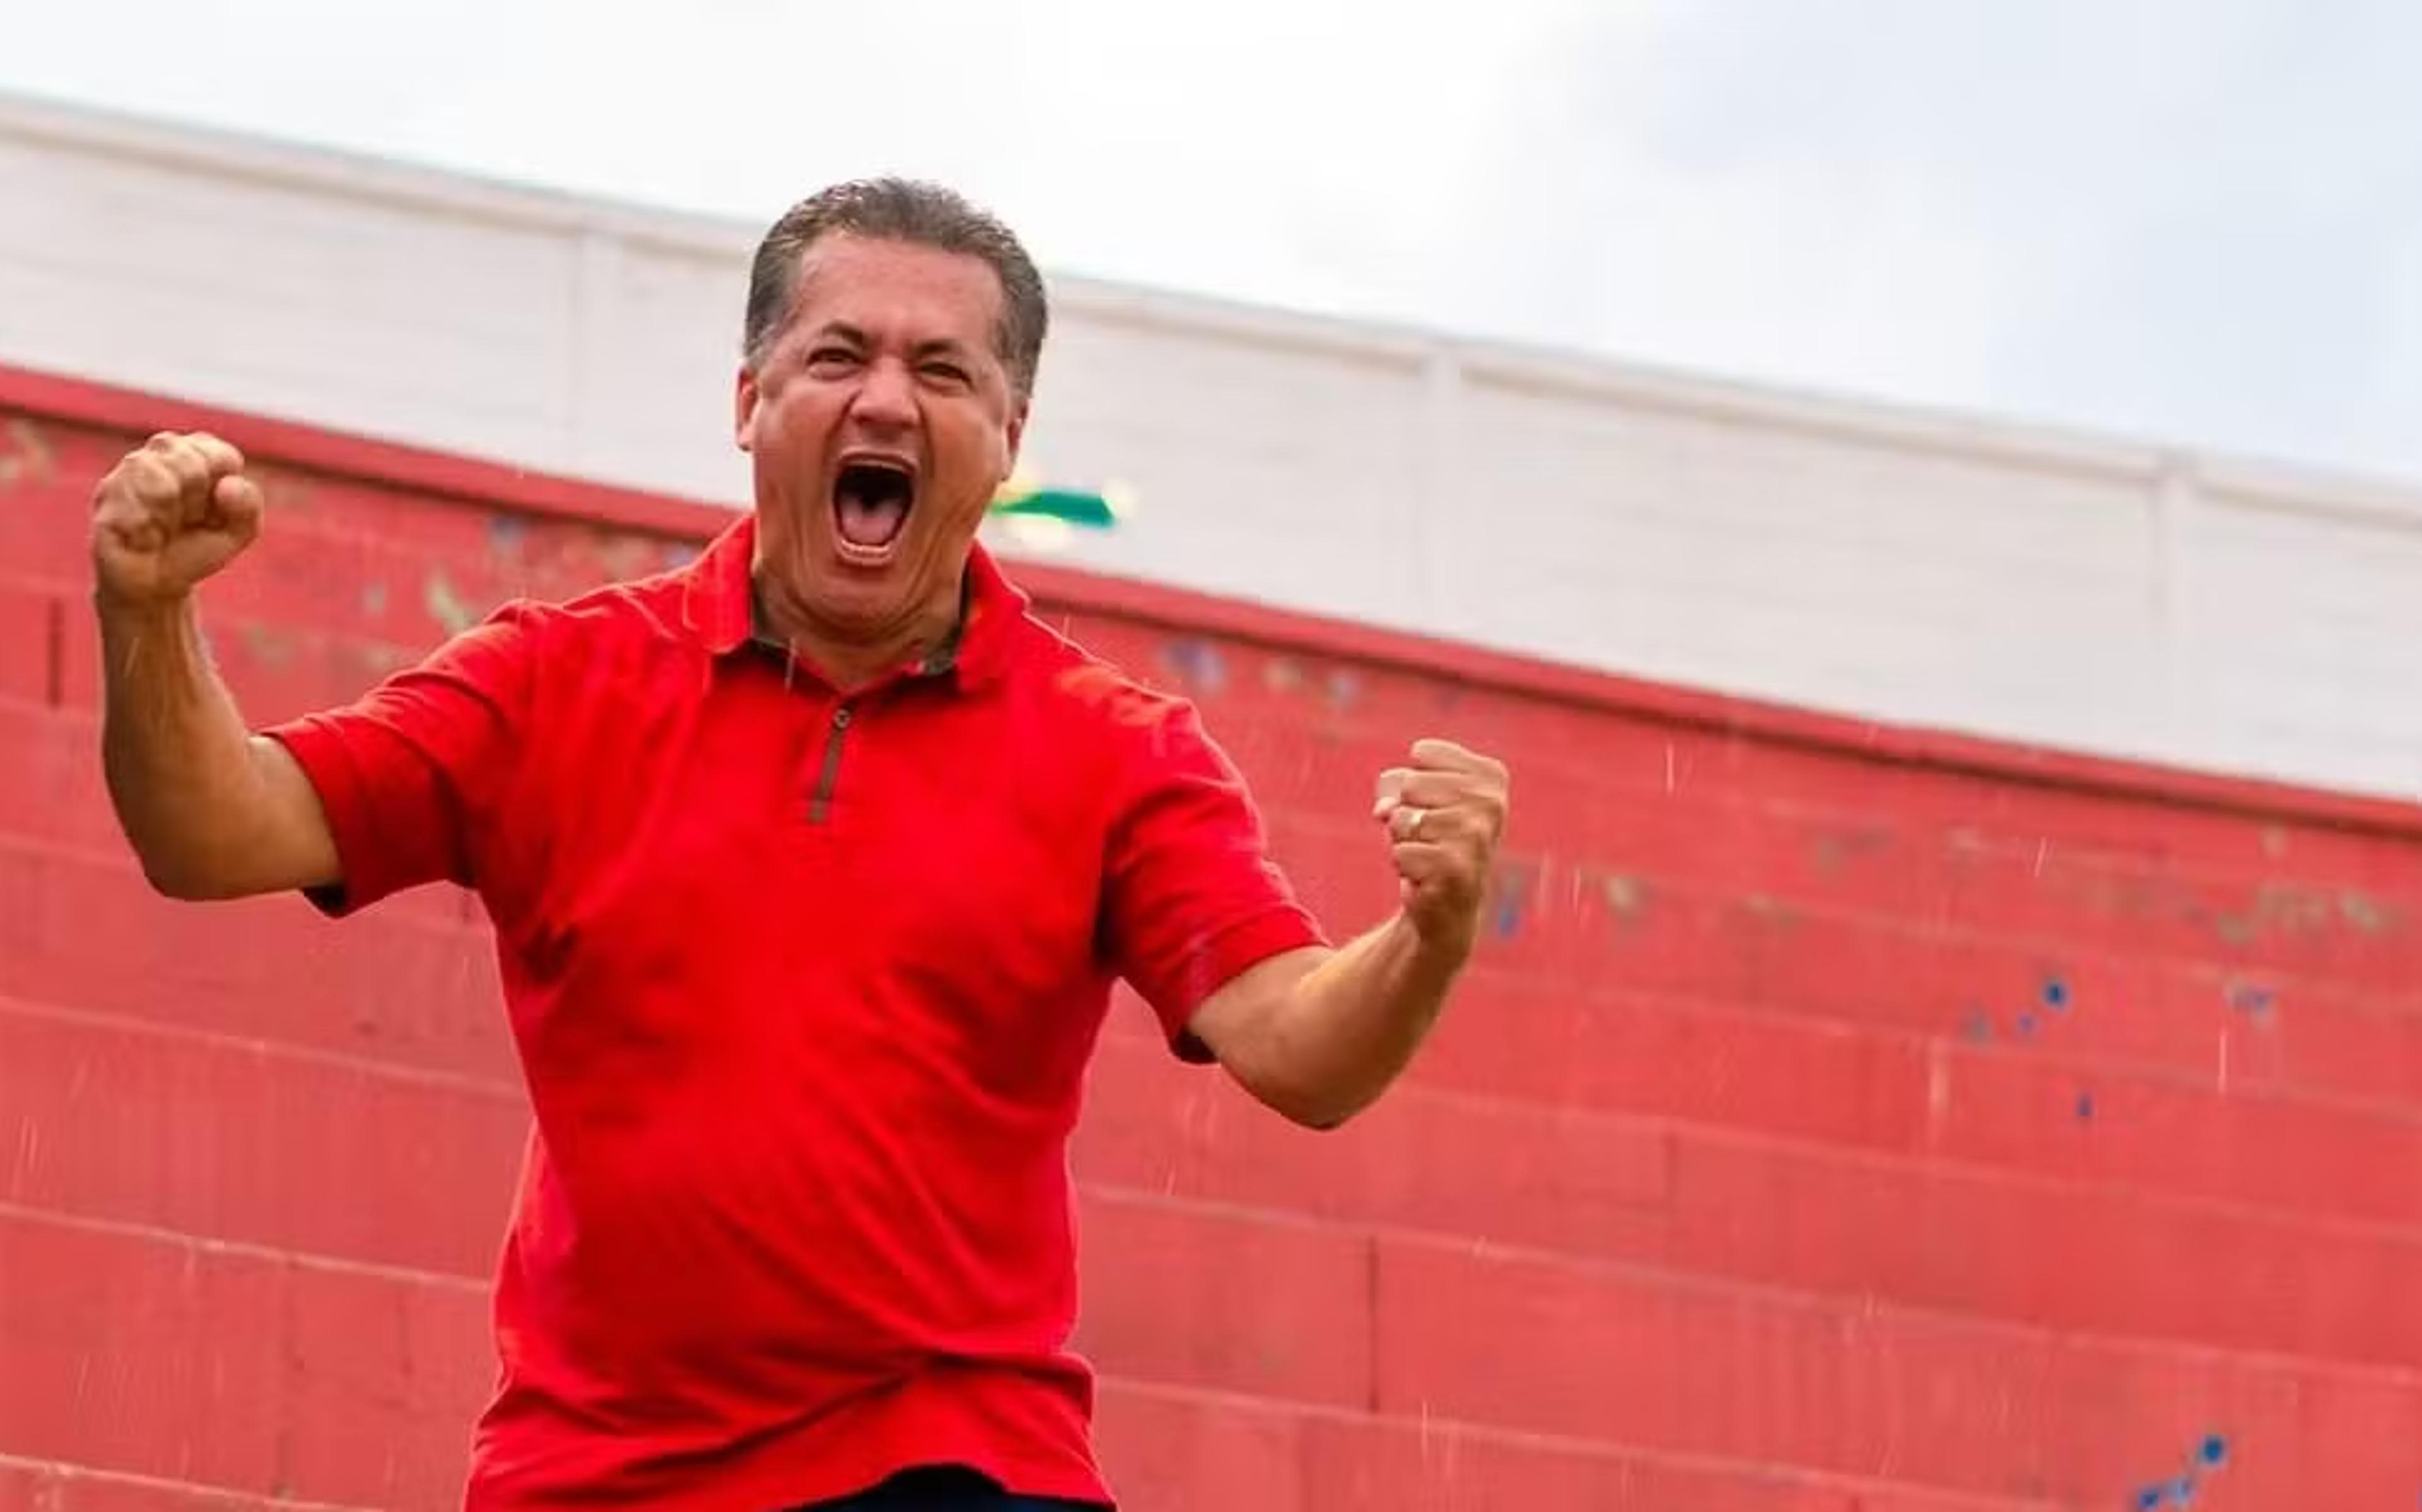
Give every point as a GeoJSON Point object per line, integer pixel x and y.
{"type": "Point", "coordinates": [1444, 815]}
{"type": "Point", "coordinates": [173, 512]}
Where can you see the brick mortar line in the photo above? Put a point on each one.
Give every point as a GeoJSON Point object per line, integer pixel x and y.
{"type": "Point", "coordinates": [1319, 823]}
{"type": "Point", "coordinates": [1792, 1476]}
{"type": "Point", "coordinates": [1868, 1157]}
{"type": "Point", "coordinates": [240, 1249]}
{"type": "Point", "coordinates": [1868, 1308]}
{"type": "Point", "coordinates": [65, 1470]}
{"type": "Point", "coordinates": [275, 1049]}
{"type": "Point", "coordinates": [122, 863]}
{"type": "Point", "coordinates": [2246, 1087]}
{"type": "Point", "coordinates": [1995, 836]}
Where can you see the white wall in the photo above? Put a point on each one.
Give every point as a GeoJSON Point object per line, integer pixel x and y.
{"type": "Point", "coordinates": [1907, 568]}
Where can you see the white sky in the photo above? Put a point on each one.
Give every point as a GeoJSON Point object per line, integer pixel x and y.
{"type": "Point", "coordinates": [2191, 220]}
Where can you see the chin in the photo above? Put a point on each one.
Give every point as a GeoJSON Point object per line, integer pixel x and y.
{"type": "Point", "coordinates": [854, 595]}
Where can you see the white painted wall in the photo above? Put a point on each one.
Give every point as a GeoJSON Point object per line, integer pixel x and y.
{"type": "Point", "coordinates": [1904, 566]}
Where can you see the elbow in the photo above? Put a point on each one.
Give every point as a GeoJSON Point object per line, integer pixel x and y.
{"type": "Point", "coordinates": [1306, 1107]}
{"type": "Point", "coordinates": [183, 887]}
{"type": "Point", "coordinates": [1321, 1098]}
{"type": "Point", "coordinates": [169, 868]}
{"type": "Point", "coordinates": [1323, 1113]}
{"type": "Point", "coordinates": [182, 880]}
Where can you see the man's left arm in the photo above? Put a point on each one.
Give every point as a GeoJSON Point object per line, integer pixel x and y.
{"type": "Point", "coordinates": [1319, 1033]}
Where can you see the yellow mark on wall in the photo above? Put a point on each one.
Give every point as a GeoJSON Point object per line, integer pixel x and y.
{"type": "Point", "coordinates": [23, 454]}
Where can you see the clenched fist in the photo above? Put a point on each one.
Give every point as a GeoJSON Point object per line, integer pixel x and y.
{"type": "Point", "coordinates": [1444, 815]}
{"type": "Point", "coordinates": [173, 512]}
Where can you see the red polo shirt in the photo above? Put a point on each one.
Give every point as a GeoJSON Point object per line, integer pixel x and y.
{"type": "Point", "coordinates": [803, 989]}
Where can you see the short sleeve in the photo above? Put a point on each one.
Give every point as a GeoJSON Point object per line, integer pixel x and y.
{"type": "Point", "coordinates": [1192, 898]}
{"type": "Point", "coordinates": [413, 776]}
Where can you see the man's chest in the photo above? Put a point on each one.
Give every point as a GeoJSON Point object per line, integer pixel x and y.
{"type": "Point", "coordinates": [771, 851]}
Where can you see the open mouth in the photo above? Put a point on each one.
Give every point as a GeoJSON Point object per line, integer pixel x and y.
{"type": "Point", "coordinates": [872, 497]}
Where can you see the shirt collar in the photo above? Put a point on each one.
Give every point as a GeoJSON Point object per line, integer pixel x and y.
{"type": "Point", "coordinates": [719, 607]}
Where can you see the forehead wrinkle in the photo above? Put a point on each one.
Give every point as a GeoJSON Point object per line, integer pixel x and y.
{"type": "Point", "coordinates": [929, 285]}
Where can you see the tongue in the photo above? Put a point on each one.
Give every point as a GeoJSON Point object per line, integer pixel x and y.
{"type": "Point", "coordinates": [871, 522]}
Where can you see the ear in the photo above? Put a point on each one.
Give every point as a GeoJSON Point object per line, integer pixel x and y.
{"type": "Point", "coordinates": [744, 409]}
{"type": "Point", "coordinates": [1016, 431]}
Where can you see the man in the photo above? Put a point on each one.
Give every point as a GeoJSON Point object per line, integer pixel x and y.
{"type": "Point", "coordinates": [812, 866]}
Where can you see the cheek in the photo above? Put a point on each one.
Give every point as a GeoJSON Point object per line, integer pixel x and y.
{"type": "Point", "coordinates": [976, 444]}
{"type": "Point", "coordinates": [797, 418]}
{"type": "Point", "coordinates": [775, 420]}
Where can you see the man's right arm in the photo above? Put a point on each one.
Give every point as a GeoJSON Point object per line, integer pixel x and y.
{"type": "Point", "coordinates": [211, 810]}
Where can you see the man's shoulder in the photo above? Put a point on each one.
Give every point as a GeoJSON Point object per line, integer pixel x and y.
{"type": "Point", "coordinates": [658, 601]}
{"type": "Point", "coordinates": [1133, 733]}
{"type": "Point", "coordinates": [546, 646]}
{"type": "Point", "coordinates": [644, 609]}
{"type": "Point", "coordinates": [1089, 688]}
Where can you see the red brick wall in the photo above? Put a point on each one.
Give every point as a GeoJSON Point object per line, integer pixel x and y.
{"type": "Point", "coordinates": [1838, 1118]}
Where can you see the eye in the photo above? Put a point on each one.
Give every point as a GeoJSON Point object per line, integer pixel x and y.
{"type": "Point", "coordinates": [831, 359]}
{"type": "Point", "coordinates": [948, 372]}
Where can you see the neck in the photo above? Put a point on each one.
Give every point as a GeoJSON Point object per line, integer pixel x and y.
{"type": "Point", "coordinates": [852, 656]}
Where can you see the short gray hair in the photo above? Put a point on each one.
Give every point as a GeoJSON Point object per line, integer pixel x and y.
{"type": "Point", "coordinates": [899, 210]}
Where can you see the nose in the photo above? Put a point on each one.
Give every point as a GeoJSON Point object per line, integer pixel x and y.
{"type": "Point", "coordinates": [886, 398]}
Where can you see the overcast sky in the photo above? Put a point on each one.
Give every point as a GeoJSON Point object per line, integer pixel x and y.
{"type": "Point", "coordinates": [2188, 220]}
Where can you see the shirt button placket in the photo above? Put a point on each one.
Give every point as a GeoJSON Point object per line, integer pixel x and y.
{"type": "Point", "coordinates": [820, 805]}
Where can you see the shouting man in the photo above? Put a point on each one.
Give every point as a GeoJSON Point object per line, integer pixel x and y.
{"type": "Point", "coordinates": [812, 866]}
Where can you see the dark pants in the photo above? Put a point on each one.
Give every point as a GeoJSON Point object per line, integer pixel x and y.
{"type": "Point", "coordinates": [946, 1489]}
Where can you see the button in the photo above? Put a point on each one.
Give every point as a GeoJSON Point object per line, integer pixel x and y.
{"type": "Point", "coordinates": [841, 719]}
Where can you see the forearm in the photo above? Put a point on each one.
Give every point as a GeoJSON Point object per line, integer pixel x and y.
{"type": "Point", "coordinates": [180, 764]}
{"type": "Point", "coordinates": [1349, 1025]}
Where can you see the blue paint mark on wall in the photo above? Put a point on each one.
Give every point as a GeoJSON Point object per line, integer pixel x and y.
{"type": "Point", "coordinates": [1511, 899]}
{"type": "Point", "coordinates": [2251, 998]}
{"type": "Point", "coordinates": [2208, 1458]}
{"type": "Point", "coordinates": [2054, 995]}
{"type": "Point", "coordinates": [1199, 663]}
